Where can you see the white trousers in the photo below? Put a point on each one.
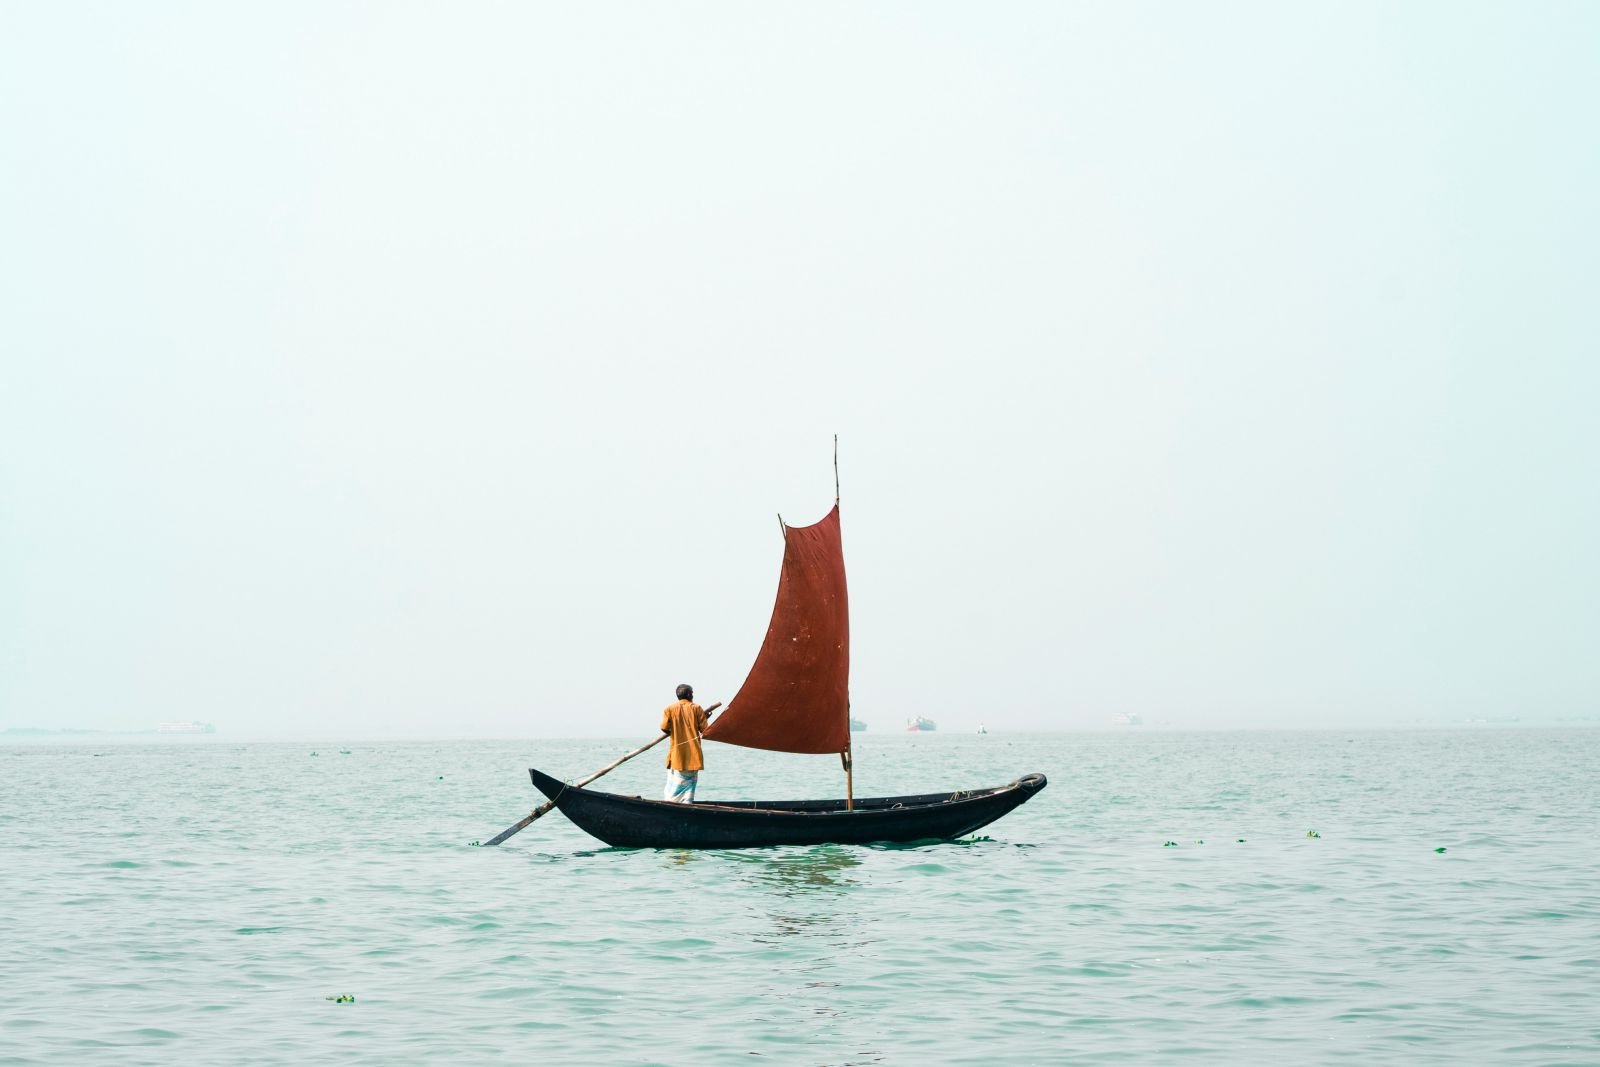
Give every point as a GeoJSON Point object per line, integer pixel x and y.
{"type": "Point", "coordinates": [680, 786]}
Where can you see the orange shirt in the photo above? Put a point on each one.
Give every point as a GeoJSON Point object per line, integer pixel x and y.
{"type": "Point", "coordinates": [685, 721]}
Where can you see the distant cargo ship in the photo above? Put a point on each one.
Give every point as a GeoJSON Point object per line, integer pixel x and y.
{"type": "Point", "coordinates": [185, 727]}
{"type": "Point", "coordinates": [921, 725]}
{"type": "Point", "coordinates": [856, 725]}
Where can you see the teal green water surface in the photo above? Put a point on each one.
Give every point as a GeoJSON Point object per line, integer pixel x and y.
{"type": "Point", "coordinates": [1317, 897]}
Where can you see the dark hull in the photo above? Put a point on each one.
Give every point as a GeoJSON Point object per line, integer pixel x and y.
{"type": "Point", "coordinates": [634, 822]}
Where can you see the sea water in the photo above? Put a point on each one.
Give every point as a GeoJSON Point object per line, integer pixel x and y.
{"type": "Point", "coordinates": [1309, 897]}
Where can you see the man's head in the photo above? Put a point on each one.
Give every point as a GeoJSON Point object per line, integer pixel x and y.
{"type": "Point", "coordinates": [685, 692]}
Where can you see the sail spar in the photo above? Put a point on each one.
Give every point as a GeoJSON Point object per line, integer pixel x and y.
{"type": "Point", "coordinates": [797, 697]}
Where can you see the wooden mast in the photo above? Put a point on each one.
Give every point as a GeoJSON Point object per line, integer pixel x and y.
{"type": "Point", "coordinates": [845, 757]}
{"type": "Point", "coordinates": [849, 776]}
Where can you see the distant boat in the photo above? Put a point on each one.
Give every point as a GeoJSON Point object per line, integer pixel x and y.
{"type": "Point", "coordinates": [982, 729]}
{"type": "Point", "coordinates": [921, 725]}
{"type": "Point", "coordinates": [1123, 718]}
{"type": "Point", "coordinates": [185, 727]}
{"type": "Point", "coordinates": [856, 725]}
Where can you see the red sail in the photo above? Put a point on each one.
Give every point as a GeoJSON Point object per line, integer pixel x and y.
{"type": "Point", "coordinates": [797, 697]}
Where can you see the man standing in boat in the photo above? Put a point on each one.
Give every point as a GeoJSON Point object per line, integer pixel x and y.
{"type": "Point", "coordinates": [683, 723]}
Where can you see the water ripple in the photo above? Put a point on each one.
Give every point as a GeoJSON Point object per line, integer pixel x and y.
{"type": "Point", "coordinates": [242, 885]}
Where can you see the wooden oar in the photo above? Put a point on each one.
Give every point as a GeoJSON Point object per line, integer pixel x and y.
{"type": "Point", "coordinates": [607, 769]}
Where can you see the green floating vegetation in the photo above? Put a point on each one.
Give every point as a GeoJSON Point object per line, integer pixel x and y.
{"type": "Point", "coordinates": [1439, 850]}
{"type": "Point", "coordinates": [1170, 844]}
{"type": "Point", "coordinates": [342, 998]}
{"type": "Point", "coordinates": [1312, 833]}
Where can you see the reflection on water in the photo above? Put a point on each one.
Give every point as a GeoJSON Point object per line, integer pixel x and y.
{"type": "Point", "coordinates": [804, 900]}
{"type": "Point", "coordinates": [803, 892]}
{"type": "Point", "coordinates": [680, 857]}
{"type": "Point", "coordinates": [791, 871]}
{"type": "Point", "coordinates": [794, 872]}
{"type": "Point", "coordinates": [798, 891]}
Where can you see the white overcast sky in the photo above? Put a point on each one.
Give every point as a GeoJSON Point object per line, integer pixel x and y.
{"type": "Point", "coordinates": [441, 368]}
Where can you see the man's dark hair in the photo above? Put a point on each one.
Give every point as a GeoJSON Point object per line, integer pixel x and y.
{"type": "Point", "coordinates": [685, 692]}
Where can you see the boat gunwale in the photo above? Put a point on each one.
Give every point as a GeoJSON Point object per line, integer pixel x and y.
{"type": "Point", "coordinates": [862, 806]}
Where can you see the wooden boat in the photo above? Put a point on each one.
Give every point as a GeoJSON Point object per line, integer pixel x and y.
{"type": "Point", "coordinates": [635, 822]}
{"type": "Point", "coordinates": [795, 699]}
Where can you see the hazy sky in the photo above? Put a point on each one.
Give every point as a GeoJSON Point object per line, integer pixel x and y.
{"type": "Point", "coordinates": [441, 368]}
